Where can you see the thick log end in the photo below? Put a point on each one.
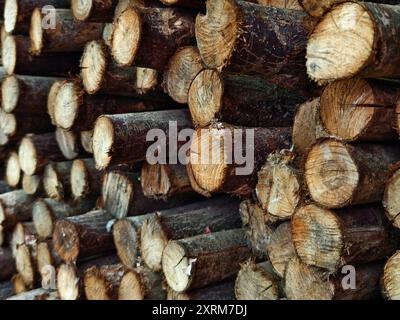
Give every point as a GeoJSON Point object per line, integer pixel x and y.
{"type": "Point", "coordinates": [66, 240]}
{"type": "Point", "coordinates": [126, 241]}
{"type": "Point", "coordinates": [131, 287]}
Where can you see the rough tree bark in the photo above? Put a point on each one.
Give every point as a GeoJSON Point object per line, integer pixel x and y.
{"type": "Point", "coordinates": [94, 10]}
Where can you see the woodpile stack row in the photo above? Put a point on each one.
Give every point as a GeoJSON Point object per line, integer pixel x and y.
{"type": "Point", "coordinates": [306, 205]}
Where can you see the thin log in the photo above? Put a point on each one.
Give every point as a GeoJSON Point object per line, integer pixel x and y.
{"type": "Point", "coordinates": [18, 284]}
{"type": "Point", "coordinates": [26, 266]}
{"type": "Point", "coordinates": [86, 140]}
{"type": "Point", "coordinates": [51, 99]}
{"type": "Point", "coordinates": [390, 280]}
{"type": "Point", "coordinates": [93, 10]}
{"type": "Point", "coordinates": [15, 206]}
{"type": "Point", "coordinates": [23, 233]}
{"type": "Point", "coordinates": [69, 144]}
{"type": "Point", "coordinates": [46, 261]}
{"type": "Point", "coordinates": [13, 170]}
{"type": "Point", "coordinates": [85, 179]}
{"type": "Point", "coordinates": [56, 180]}
{"type": "Point", "coordinates": [220, 291]}
{"type": "Point", "coordinates": [390, 197]}
{"type": "Point", "coordinates": [32, 185]}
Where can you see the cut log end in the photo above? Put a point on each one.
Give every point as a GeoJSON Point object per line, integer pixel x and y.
{"type": "Point", "coordinates": [51, 99]}
{"type": "Point", "coordinates": [9, 93]}
{"type": "Point", "coordinates": [36, 32]}
{"type": "Point", "coordinates": [8, 125]}
{"type": "Point", "coordinates": [18, 284]}
{"type": "Point", "coordinates": [52, 184]}
{"type": "Point", "coordinates": [131, 287]}
{"type": "Point", "coordinates": [103, 141]}
{"type": "Point", "coordinates": [205, 97]}
{"type": "Point", "coordinates": [183, 67]}
{"type": "Point", "coordinates": [254, 283]}
{"type": "Point", "coordinates": [391, 278]}
{"type": "Point", "coordinates": [42, 219]}
{"type": "Point", "coordinates": [153, 241]}
{"type": "Point", "coordinates": [126, 36]}
{"type": "Point", "coordinates": [391, 200]}
{"type": "Point", "coordinates": [27, 156]}
{"type": "Point", "coordinates": [79, 179]}
{"type": "Point", "coordinates": [93, 66]}
{"type": "Point", "coordinates": [9, 54]}
{"type": "Point", "coordinates": [216, 33]}
{"type": "Point", "coordinates": [331, 174]}
{"type": "Point", "coordinates": [24, 265]}
{"type": "Point", "coordinates": [86, 140]}
{"type": "Point", "coordinates": [101, 283]}
{"type": "Point", "coordinates": [68, 282]}
{"type": "Point", "coordinates": [176, 266]}
{"type": "Point", "coordinates": [10, 15]}
{"type": "Point", "coordinates": [126, 242]}
{"type": "Point", "coordinates": [31, 184]}
{"type": "Point", "coordinates": [13, 170]}
{"type": "Point", "coordinates": [81, 9]}
{"type": "Point", "coordinates": [44, 259]}
{"type": "Point", "coordinates": [67, 142]}
{"type": "Point", "coordinates": [66, 106]}
{"type": "Point", "coordinates": [341, 43]}
{"type": "Point", "coordinates": [318, 237]}
{"type": "Point", "coordinates": [66, 240]}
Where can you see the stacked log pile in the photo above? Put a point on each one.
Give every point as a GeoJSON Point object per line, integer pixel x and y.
{"type": "Point", "coordinates": [214, 150]}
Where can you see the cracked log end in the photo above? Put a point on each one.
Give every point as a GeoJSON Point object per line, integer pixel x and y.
{"type": "Point", "coordinates": [93, 66]}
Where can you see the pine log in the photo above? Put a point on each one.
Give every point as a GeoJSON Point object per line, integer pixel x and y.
{"type": "Point", "coordinates": [122, 196]}
{"type": "Point", "coordinates": [36, 294]}
{"type": "Point", "coordinates": [279, 189]}
{"type": "Point", "coordinates": [82, 236]}
{"type": "Point", "coordinates": [391, 197]}
{"type": "Point", "coordinates": [86, 140]}
{"type": "Point", "coordinates": [69, 144]}
{"type": "Point", "coordinates": [6, 290]}
{"type": "Point", "coordinates": [338, 174]}
{"type": "Point", "coordinates": [74, 110]}
{"type": "Point", "coordinates": [256, 40]}
{"type": "Point", "coordinates": [46, 212]}
{"type": "Point", "coordinates": [100, 74]}
{"type": "Point", "coordinates": [93, 10]}
{"type": "Point", "coordinates": [17, 13]}
{"type": "Point", "coordinates": [56, 180]}
{"type": "Point", "coordinates": [182, 69]}
{"type": "Point", "coordinates": [303, 282]}
{"type": "Point", "coordinates": [7, 266]}
{"type": "Point", "coordinates": [17, 59]}
{"type": "Point", "coordinates": [23, 233]}
{"type": "Point", "coordinates": [360, 109]}
{"type": "Point", "coordinates": [391, 280]}
{"type": "Point", "coordinates": [199, 218]}
{"type": "Point", "coordinates": [240, 100]}
{"type": "Point", "coordinates": [13, 170]}
{"type": "Point", "coordinates": [141, 284]}
{"type": "Point", "coordinates": [256, 282]}
{"type": "Point", "coordinates": [214, 163]}
{"type": "Point", "coordinates": [353, 235]}
{"type": "Point", "coordinates": [85, 179]}
{"type": "Point", "coordinates": [46, 260]}
{"type": "Point", "coordinates": [122, 138]}
{"type": "Point", "coordinates": [15, 206]}
{"type": "Point", "coordinates": [32, 185]}
{"type": "Point", "coordinates": [51, 99]}
{"type": "Point", "coordinates": [204, 259]}
{"type": "Point", "coordinates": [68, 35]}
{"type": "Point", "coordinates": [220, 291]}
{"type": "Point", "coordinates": [18, 284]}
{"type": "Point", "coordinates": [366, 48]}
{"type": "Point", "coordinates": [148, 37]}
{"type": "Point", "coordinates": [26, 266]}
{"type": "Point", "coordinates": [26, 94]}
{"type": "Point", "coordinates": [280, 248]}
{"type": "Point", "coordinates": [162, 181]}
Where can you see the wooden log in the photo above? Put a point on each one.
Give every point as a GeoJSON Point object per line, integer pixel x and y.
{"type": "Point", "coordinates": [256, 282]}
{"type": "Point", "coordinates": [56, 180]}
{"type": "Point", "coordinates": [51, 98]}
{"type": "Point", "coordinates": [100, 74]}
{"type": "Point", "coordinates": [338, 174]}
{"type": "Point", "coordinates": [25, 265]}
{"type": "Point", "coordinates": [138, 31]}
{"type": "Point", "coordinates": [68, 35]}
{"type": "Point", "coordinates": [182, 69]}
{"type": "Point", "coordinates": [74, 110]}
{"type": "Point", "coordinates": [240, 100]}
{"type": "Point", "coordinates": [192, 4]}
{"type": "Point", "coordinates": [280, 248]}
{"type": "Point", "coordinates": [7, 266]}
{"type": "Point", "coordinates": [122, 138]}
{"type": "Point", "coordinates": [85, 179]}
{"type": "Point", "coordinates": [367, 48]}
{"type": "Point", "coordinates": [6, 290]}
{"type": "Point", "coordinates": [141, 284]}
{"type": "Point", "coordinates": [352, 235]}
{"type": "Point", "coordinates": [15, 206]}
{"type": "Point", "coordinates": [18, 284]}
{"type": "Point", "coordinates": [204, 259]}
{"type": "Point", "coordinates": [69, 144]}
{"type": "Point", "coordinates": [36, 294]}
{"type": "Point", "coordinates": [35, 151]}
{"type": "Point", "coordinates": [214, 164]}
{"type": "Point", "coordinates": [17, 13]}
{"type": "Point", "coordinates": [303, 282]}
{"type": "Point", "coordinates": [46, 212]}
{"type": "Point", "coordinates": [46, 261]}
{"type": "Point", "coordinates": [102, 283]}
{"type": "Point", "coordinates": [32, 185]}
{"type": "Point", "coordinates": [93, 10]}
{"type": "Point", "coordinates": [107, 34]}
{"type": "Point", "coordinates": [390, 280]}
{"type": "Point", "coordinates": [390, 197]}
{"type": "Point", "coordinates": [279, 189]}
{"type": "Point", "coordinates": [200, 4]}
{"type": "Point", "coordinates": [256, 40]}
{"type": "Point", "coordinates": [288, 4]}
{"type": "Point", "coordinates": [17, 59]}
{"type": "Point", "coordinates": [220, 291]}
{"type": "Point", "coordinates": [26, 94]}
{"type": "Point", "coordinates": [360, 109]}
{"type": "Point", "coordinates": [199, 218]}
{"type": "Point", "coordinates": [82, 236]}
{"type": "Point", "coordinates": [23, 233]}
{"type": "Point", "coordinates": [13, 170]}
{"type": "Point", "coordinates": [70, 277]}
{"type": "Point", "coordinates": [86, 140]}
